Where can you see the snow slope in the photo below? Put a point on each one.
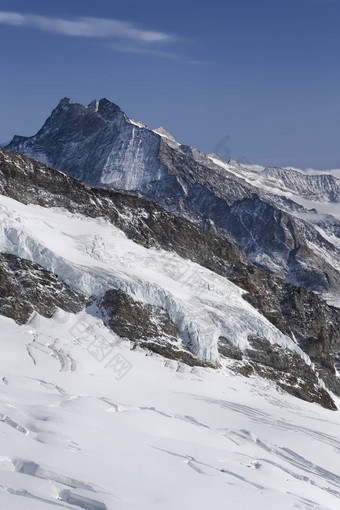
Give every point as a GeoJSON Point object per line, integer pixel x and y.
{"type": "Point", "coordinates": [74, 434]}
{"type": "Point", "coordinates": [92, 256]}
{"type": "Point", "coordinates": [87, 422]}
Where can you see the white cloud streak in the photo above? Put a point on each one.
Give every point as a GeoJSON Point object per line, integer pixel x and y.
{"type": "Point", "coordinates": [156, 53]}
{"type": "Point", "coordinates": [85, 27]}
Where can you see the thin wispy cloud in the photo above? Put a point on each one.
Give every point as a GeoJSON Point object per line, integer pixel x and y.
{"type": "Point", "coordinates": [86, 27]}
{"type": "Point", "coordinates": [168, 55]}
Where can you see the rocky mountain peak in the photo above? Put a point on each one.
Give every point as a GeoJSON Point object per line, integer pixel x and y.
{"type": "Point", "coordinates": [107, 107]}
{"type": "Point", "coordinates": [66, 101]}
{"type": "Point", "coordinates": [94, 105]}
{"type": "Point", "coordinates": [104, 106]}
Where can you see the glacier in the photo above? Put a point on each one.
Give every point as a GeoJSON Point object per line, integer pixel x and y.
{"type": "Point", "coordinates": [93, 256]}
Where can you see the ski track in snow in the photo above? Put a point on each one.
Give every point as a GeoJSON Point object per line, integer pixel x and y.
{"type": "Point", "coordinates": [81, 439]}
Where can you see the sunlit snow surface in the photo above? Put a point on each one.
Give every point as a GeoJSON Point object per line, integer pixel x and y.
{"type": "Point", "coordinates": [77, 431]}
{"type": "Point", "coordinates": [163, 436]}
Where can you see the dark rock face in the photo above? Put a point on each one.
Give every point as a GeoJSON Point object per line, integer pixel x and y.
{"type": "Point", "coordinates": [296, 311]}
{"type": "Point", "coordinates": [228, 350]}
{"type": "Point", "coordinates": [26, 287]}
{"type": "Point", "coordinates": [134, 320]}
{"type": "Point", "coordinates": [281, 365]}
{"type": "Point", "coordinates": [99, 145]}
{"type": "Point", "coordinates": [272, 238]}
{"type": "Point", "coordinates": [318, 338]}
{"type": "Point", "coordinates": [289, 371]}
{"type": "Point", "coordinates": [145, 325]}
{"type": "Point", "coordinates": [64, 143]}
{"type": "Point", "coordinates": [304, 316]}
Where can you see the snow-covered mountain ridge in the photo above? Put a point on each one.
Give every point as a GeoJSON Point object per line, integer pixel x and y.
{"type": "Point", "coordinates": [321, 187]}
{"type": "Point", "coordinates": [265, 214]}
{"type": "Point", "coordinates": [176, 267]}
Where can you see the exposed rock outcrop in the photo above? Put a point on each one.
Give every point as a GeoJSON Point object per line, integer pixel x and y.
{"type": "Point", "coordinates": [145, 325]}
{"type": "Point", "coordinates": [26, 288]}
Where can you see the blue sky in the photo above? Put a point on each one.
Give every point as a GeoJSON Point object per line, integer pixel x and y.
{"type": "Point", "coordinates": [264, 73]}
